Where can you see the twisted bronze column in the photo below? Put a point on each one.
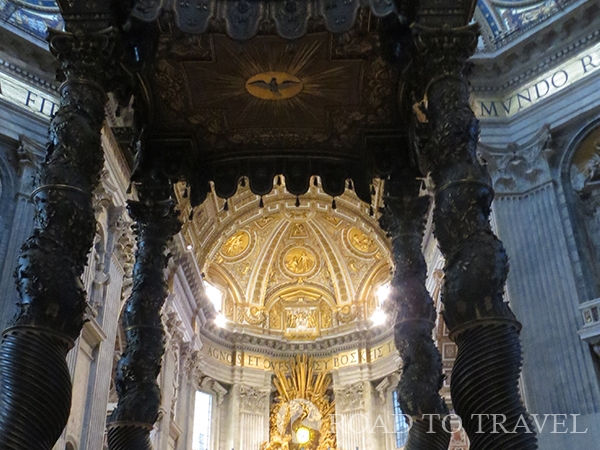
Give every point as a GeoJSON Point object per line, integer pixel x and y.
{"type": "Point", "coordinates": [486, 372]}
{"type": "Point", "coordinates": [35, 383]}
{"type": "Point", "coordinates": [403, 218]}
{"type": "Point", "coordinates": [156, 222]}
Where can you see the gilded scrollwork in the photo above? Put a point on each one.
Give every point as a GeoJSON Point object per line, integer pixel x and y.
{"type": "Point", "coordinates": [170, 85]}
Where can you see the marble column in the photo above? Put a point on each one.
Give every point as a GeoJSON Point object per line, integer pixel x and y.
{"type": "Point", "coordinates": [542, 290]}
{"type": "Point", "coordinates": [108, 291]}
{"type": "Point", "coordinates": [254, 417]}
{"type": "Point", "coordinates": [35, 380]}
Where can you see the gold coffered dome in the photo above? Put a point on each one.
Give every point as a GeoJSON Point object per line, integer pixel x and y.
{"type": "Point", "coordinates": [297, 272]}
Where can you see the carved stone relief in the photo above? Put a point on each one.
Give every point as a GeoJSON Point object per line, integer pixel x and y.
{"type": "Point", "coordinates": [253, 400]}
{"type": "Point", "coordinates": [517, 169]}
{"type": "Point", "coordinates": [351, 398]}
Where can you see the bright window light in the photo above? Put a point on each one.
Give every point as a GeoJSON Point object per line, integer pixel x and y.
{"type": "Point", "coordinates": [215, 296]}
{"type": "Point", "coordinates": [383, 292]}
{"type": "Point", "coordinates": [379, 317]}
{"type": "Point", "coordinates": [221, 321]}
{"type": "Point", "coordinates": [202, 421]}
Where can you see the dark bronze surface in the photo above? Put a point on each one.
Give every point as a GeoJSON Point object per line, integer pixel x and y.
{"type": "Point", "coordinates": [403, 218]}
{"type": "Point", "coordinates": [156, 222]}
{"type": "Point", "coordinates": [201, 97]}
{"type": "Point", "coordinates": [203, 124]}
{"type": "Point", "coordinates": [486, 371]}
{"type": "Point", "coordinates": [35, 381]}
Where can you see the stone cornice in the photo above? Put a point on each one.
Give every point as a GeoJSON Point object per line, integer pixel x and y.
{"type": "Point", "coordinates": [275, 347]}
{"type": "Point", "coordinates": [28, 77]}
{"type": "Point", "coordinates": [513, 65]}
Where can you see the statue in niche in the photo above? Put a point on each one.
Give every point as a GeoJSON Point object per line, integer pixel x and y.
{"type": "Point", "coordinates": [591, 170]}
{"type": "Point", "coordinates": [586, 172]}
{"type": "Point", "coordinates": [585, 179]}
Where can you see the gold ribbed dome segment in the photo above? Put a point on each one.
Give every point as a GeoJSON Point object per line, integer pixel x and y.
{"type": "Point", "coordinates": [298, 272]}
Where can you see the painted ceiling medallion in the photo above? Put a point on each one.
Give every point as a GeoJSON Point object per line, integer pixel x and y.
{"type": "Point", "coordinates": [300, 261]}
{"type": "Point", "coordinates": [361, 242]}
{"type": "Point", "coordinates": [274, 86]}
{"type": "Point", "coordinates": [236, 245]}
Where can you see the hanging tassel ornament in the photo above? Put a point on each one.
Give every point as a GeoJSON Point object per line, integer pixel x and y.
{"type": "Point", "coordinates": [226, 206]}
{"type": "Point", "coordinates": [297, 201]}
{"type": "Point", "coordinates": [261, 204]}
{"type": "Point", "coordinates": [333, 204]}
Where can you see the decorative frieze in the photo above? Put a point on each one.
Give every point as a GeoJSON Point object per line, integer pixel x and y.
{"type": "Point", "coordinates": [243, 17]}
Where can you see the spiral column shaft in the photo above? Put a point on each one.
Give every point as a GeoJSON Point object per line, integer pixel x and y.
{"type": "Point", "coordinates": [35, 385]}
{"type": "Point", "coordinates": [156, 222]}
{"type": "Point", "coordinates": [486, 371]}
{"type": "Point", "coordinates": [403, 218]}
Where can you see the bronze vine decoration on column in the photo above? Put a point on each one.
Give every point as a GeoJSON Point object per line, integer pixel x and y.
{"type": "Point", "coordinates": [486, 372]}
{"type": "Point", "coordinates": [156, 222]}
{"type": "Point", "coordinates": [35, 383]}
{"type": "Point", "coordinates": [403, 218]}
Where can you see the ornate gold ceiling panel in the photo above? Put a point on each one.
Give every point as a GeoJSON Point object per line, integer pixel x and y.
{"type": "Point", "coordinates": [297, 272]}
{"type": "Point", "coordinates": [321, 104]}
{"type": "Point", "coordinates": [319, 90]}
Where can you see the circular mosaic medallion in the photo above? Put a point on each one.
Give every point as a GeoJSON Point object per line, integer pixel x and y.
{"type": "Point", "coordinates": [300, 261]}
{"type": "Point", "coordinates": [360, 242]}
{"type": "Point", "coordinates": [236, 245]}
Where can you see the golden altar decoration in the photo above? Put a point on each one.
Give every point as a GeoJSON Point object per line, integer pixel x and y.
{"type": "Point", "coordinates": [301, 415]}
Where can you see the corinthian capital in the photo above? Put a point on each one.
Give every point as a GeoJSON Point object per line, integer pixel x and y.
{"type": "Point", "coordinates": [83, 56]}
{"type": "Point", "coordinates": [444, 51]}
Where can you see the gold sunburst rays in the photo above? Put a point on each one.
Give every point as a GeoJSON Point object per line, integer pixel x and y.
{"type": "Point", "coordinates": [301, 389]}
{"type": "Point", "coordinates": [318, 82]}
{"type": "Point", "coordinates": [303, 382]}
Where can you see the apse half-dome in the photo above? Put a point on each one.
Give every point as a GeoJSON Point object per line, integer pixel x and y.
{"type": "Point", "coordinates": [294, 272]}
